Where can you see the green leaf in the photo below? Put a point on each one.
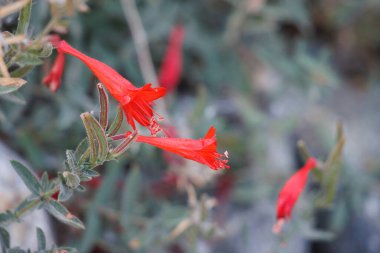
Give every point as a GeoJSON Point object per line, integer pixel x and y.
{"type": "Point", "coordinates": [80, 188]}
{"type": "Point", "coordinates": [62, 214]}
{"type": "Point", "coordinates": [23, 19]}
{"type": "Point", "coordinates": [42, 50]}
{"type": "Point", "coordinates": [332, 167]}
{"type": "Point", "coordinates": [82, 151]}
{"type": "Point", "coordinates": [6, 217]}
{"type": "Point", "coordinates": [103, 101]}
{"type": "Point", "coordinates": [10, 84]}
{"type": "Point", "coordinates": [41, 239]}
{"type": "Point", "coordinates": [129, 197]}
{"type": "Point", "coordinates": [20, 72]}
{"type": "Point", "coordinates": [15, 97]}
{"type": "Point", "coordinates": [90, 173]}
{"type": "Point", "coordinates": [90, 137]}
{"type": "Point", "coordinates": [28, 59]}
{"type": "Point", "coordinates": [5, 240]}
{"type": "Point", "coordinates": [64, 193]}
{"type": "Point", "coordinates": [71, 160]}
{"type": "Point", "coordinates": [30, 180]}
{"type": "Point", "coordinates": [45, 184]}
{"type": "Point", "coordinates": [96, 133]}
{"type": "Point", "coordinates": [116, 124]}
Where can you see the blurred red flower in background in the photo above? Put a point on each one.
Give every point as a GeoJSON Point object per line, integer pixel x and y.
{"type": "Point", "coordinates": [171, 68]}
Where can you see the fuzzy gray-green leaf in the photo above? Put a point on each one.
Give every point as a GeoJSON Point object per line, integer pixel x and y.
{"type": "Point", "coordinates": [10, 84]}
{"type": "Point", "coordinates": [41, 239]}
{"type": "Point", "coordinates": [115, 126]}
{"type": "Point", "coordinates": [30, 180]}
{"type": "Point", "coordinates": [71, 160]}
{"type": "Point", "coordinates": [61, 213]}
{"type": "Point", "coordinates": [64, 193]}
{"type": "Point", "coordinates": [103, 101]}
{"type": "Point", "coordinates": [100, 137]}
{"type": "Point", "coordinates": [23, 19]}
{"type": "Point", "coordinates": [90, 136]}
{"type": "Point", "coordinates": [4, 240]}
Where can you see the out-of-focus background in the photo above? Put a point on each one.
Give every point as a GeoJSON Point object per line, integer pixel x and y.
{"type": "Point", "coordinates": [266, 74]}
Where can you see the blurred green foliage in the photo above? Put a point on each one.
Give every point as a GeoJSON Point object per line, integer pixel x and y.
{"type": "Point", "coordinates": [266, 73]}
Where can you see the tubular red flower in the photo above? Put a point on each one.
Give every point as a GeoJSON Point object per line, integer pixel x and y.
{"type": "Point", "coordinates": [290, 193]}
{"type": "Point", "coordinates": [171, 68]}
{"type": "Point", "coordinates": [136, 102]}
{"type": "Point", "coordinates": [54, 78]}
{"type": "Point", "coordinates": [202, 150]}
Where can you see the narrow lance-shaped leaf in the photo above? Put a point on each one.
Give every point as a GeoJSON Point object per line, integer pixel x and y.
{"type": "Point", "coordinates": [82, 151]}
{"type": "Point", "coordinates": [103, 101]}
{"type": "Point", "coordinates": [129, 197]}
{"type": "Point", "coordinates": [100, 137]}
{"type": "Point", "coordinates": [6, 218]}
{"type": "Point", "coordinates": [20, 72]}
{"type": "Point", "coordinates": [10, 84]}
{"type": "Point", "coordinates": [61, 213]}
{"type": "Point", "coordinates": [45, 182]}
{"type": "Point", "coordinates": [305, 154]}
{"type": "Point", "coordinates": [115, 126]}
{"type": "Point", "coordinates": [30, 180]}
{"type": "Point", "coordinates": [23, 19]}
{"type": "Point", "coordinates": [71, 160]}
{"type": "Point", "coordinates": [90, 137]}
{"type": "Point", "coordinates": [4, 240]}
{"type": "Point", "coordinates": [64, 193]}
{"type": "Point", "coordinates": [41, 239]}
{"type": "Point", "coordinates": [332, 167]}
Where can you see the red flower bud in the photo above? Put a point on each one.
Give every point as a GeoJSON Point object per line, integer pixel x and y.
{"type": "Point", "coordinates": [290, 193]}
{"type": "Point", "coordinates": [53, 79]}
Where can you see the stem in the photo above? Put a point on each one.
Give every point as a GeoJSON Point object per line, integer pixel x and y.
{"type": "Point", "coordinates": [18, 214]}
{"type": "Point", "coordinates": [47, 29]}
{"type": "Point", "coordinates": [140, 40]}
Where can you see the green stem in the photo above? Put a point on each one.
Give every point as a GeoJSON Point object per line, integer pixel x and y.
{"type": "Point", "coordinates": [23, 211]}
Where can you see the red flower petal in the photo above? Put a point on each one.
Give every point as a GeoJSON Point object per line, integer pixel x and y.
{"type": "Point", "coordinates": [136, 102]}
{"type": "Point", "coordinates": [171, 68]}
{"type": "Point", "coordinates": [202, 150]}
{"type": "Point", "coordinates": [53, 79]}
{"type": "Point", "coordinates": [290, 193]}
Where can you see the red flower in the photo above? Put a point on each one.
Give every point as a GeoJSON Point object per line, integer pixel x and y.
{"type": "Point", "coordinates": [202, 150]}
{"type": "Point", "coordinates": [171, 68]}
{"type": "Point", "coordinates": [53, 79]}
{"type": "Point", "coordinates": [136, 102]}
{"type": "Point", "coordinates": [290, 193]}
